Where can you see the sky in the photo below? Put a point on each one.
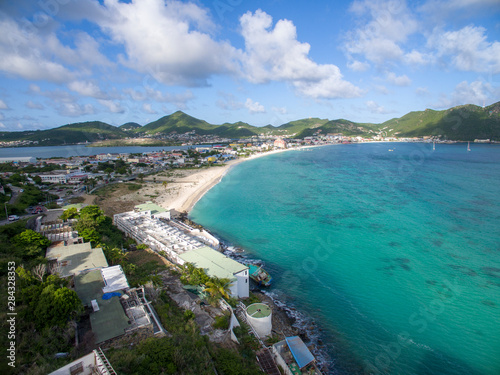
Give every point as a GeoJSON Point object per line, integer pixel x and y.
{"type": "Point", "coordinates": [261, 62]}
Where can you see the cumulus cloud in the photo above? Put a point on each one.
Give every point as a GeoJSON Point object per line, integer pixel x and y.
{"type": "Point", "coordinates": [358, 66]}
{"type": "Point", "coordinates": [398, 80]}
{"type": "Point", "coordinates": [75, 109]}
{"type": "Point", "coordinates": [3, 105]}
{"type": "Point", "coordinates": [468, 49]}
{"type": "Point", "coordinates": [87, 88]}
{"type": "Point", "coordinates": [228, 101]}
{"type": "Point", "coordinates": [170, 40]}
{"type": "Point", "coordinates": [33, 105]}
{"type": "Point", "coordinates": [386, 25]}
{"type": "Point", "coordinates": [112, 106]}
{"type": "Point", "coordinates": [254, 107]}
{"type": "Point", "coordinates": [35, 54]}
{"type": "Point", "coordinates": [275, 54]}
{"type": "Point", "coordinates": [477, 92]}
{"type": "Point", "coordinates": [373, 107]}
{"type": "Point", "coordinates": [180, 100]}
{"type": "Point", "coordinates": [146, 107]}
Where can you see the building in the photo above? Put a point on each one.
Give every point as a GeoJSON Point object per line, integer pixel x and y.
{"type": "Point", "coordinates": [74, 259]}
{"type": "Point", "coordinates": [18, 159]}
{"type": "Point", "coordinates": [280, 143]}
{"type": "Point", "coordinates": [93, 363]}
{"type": "Point", "coordinates": [149, 208]}
{"type": "Point", "coordinates": [218, 265]}
{"type": "Point", "coordinates": [54, 177]}
{"type": "Point", "coordinates": [294, 357]}
{"type": "Point", "coordinates": [259, 316]}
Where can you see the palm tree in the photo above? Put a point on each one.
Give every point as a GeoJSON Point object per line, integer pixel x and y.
{"type": "Point", "coordinates": [218, 288]}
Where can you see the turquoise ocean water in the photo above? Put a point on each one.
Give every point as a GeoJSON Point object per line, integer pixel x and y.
{"type": "Point", "coordinates": [395, 255]}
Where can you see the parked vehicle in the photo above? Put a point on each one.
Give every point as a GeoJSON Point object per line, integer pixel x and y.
{"type": "Point", "coordinates": [13, 217]}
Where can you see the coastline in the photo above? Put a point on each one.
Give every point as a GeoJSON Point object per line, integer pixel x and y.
{"type": "Point", "coordinates": [185, 192]}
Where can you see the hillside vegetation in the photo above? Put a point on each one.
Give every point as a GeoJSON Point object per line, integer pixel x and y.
{"type": "Point", "coordinates": [466, 123]}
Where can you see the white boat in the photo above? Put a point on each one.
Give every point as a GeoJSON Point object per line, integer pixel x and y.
{"type": "Point", "coordinates": [468, 146]}
{"type": "Point", "coordinates": [433, 146]}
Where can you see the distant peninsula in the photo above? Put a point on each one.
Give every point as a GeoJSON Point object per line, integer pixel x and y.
{"type": "Point", "coordinates": [463, 123]}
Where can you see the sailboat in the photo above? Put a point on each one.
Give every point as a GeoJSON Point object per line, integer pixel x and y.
{"type": "Point", "coordinates": [468, 146]}
{"type": "Point", "coordinates": [434, 146]}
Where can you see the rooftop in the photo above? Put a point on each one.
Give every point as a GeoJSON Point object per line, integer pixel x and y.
{"type": "Point", "coordinates": [150, 206]}
{"type": "Point", "coordinates": [258, 310]}
{"type": "Point", "coordinates": [76, 258]}
{"type": "Point", "coordinates": [88, 286]}
{"type": "Point", "coordinates": [114, 278]}
{"type": "Point", "coordinates": [110, 321]}
{"type": "Point", "coordinates": [214, 263]}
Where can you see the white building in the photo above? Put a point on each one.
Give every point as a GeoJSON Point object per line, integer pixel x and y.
{"type": "Point", "coordinates": [93, 363]}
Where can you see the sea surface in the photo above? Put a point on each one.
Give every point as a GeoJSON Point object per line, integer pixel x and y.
{"type": "Point", "coordinates": [78, 150]}
{"type": "Point", "coordinates": [391, 250]}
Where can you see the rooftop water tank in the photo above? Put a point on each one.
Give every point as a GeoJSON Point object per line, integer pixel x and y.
{"type": "Point", "coordinates": [259, 315]}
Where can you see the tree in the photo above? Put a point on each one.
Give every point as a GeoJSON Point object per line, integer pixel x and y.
{"type": "Point", "coordinates": [70, 213]}
{"type": "Point", "coordinates": [30, 243]}
{"type": "Point", "coordinates": [218, 288]}
{"type": "Point", "coordinates": [141, 176]}
{"type": "Point", "coordinates": [165, 184]}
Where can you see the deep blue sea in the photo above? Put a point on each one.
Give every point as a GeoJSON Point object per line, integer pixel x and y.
{"type": "Point", "coordinates": [395, 255]}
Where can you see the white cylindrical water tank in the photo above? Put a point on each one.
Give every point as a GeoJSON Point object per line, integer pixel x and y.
{"type": "Point", "coordinates": [259, 315]}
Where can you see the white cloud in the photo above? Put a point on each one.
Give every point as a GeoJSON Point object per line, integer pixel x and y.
{"type": "Point", "coordinates": [3, 105]}
{"type": "Point", "coordinates": [468, 49]}
{"type": "Point", "coordinates": [112, 106]}
{"type": "Point", "coordinates": [180, 100]}
{"type": "Point", "coordinates": [398, 80]}
{"type": "Point", "coordinates": [275, 54]}
{"type": "Point", "coordinates": [358, 66]}
{"type": "Point", "coordinates": [386, 26]}
{"type": "Point", "coordinates": [75, 109]}
{"type": "Point", "coordinates": [477, 92]}
{"type": "Point", "coordinates": [169, 40]}
{"type": "Point", "coordinates": [280, 110]}
{"type": "Point", "coordinates": [373, 107]}
{"type": "Point", "coordinates": [2, 125]}
{"type": "Point", "coordinates": [417, 58]}
{"type": "Point", "coordinates": [146, 107]}
{"type": "Point", "coordinates": [37, 55]}
{"type": "Point", "coordinates": [87, 88]}
{"type": "Point", "coordinates": [228, 101]}
{"type": "Point", "coordinates": [33, 105]}
{"type": "Point", "coordinates": [422, 91]}
{"type": "Point", "coordinates": [254, 107]}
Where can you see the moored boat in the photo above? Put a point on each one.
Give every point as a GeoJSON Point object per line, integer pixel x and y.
{"type": "Point", "coordinates": [259, 275]}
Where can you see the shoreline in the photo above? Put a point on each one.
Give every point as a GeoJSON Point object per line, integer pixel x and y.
{"type": "Point", "coordinates": [188, 190]}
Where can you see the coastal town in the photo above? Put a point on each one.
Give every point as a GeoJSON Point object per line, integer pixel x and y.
{"type": "Point", "coordinates": [121, 311]}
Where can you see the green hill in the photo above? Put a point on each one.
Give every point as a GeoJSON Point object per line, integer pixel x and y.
{"type": "Point", "coordinates": [345, 127]}
{"type": "Point", "coordinates": [465, 123]}
{"type": "Point", "coordinates": [68, 134]}
{"type": "Point", "coordinates": [130, 126]}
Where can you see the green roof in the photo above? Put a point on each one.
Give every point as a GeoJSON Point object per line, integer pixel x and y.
{"type": "Point", "coordinates": [258, 310]}
{"type": "Point", "coordinates": [150, 206]}
{"type": "Point", "coordinates": [214, 263]}
{"type": "Point", "coordinates": [78, 206]}
{"type": "Point", "coordinates": [77, 258]}
{"type": "Point", "coordinates": [89, 286]}
{"type": "Point", "coordinates": [110, 321]}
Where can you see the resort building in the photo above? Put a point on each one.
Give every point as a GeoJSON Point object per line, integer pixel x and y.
{"type": "Point", "coordinates": [180, 244]}
{"type": "Point", "coordinates": [218, 265]}
{"type": "Point", "coordinates": [280, 143]}
{"type": "Point", "coordinates": [18, 159]}
{"type": "Point", "coordinates": [91, 364]}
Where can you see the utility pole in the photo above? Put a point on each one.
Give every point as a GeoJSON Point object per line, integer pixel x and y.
{"type": "Point", "coordinates": [6, 213]}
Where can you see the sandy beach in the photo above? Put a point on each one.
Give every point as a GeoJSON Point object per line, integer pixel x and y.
{"type": "Point", "coordinates": [183, 191]}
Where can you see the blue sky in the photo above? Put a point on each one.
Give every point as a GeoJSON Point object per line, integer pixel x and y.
{"type": "Point", "coordinates": [262, 62]}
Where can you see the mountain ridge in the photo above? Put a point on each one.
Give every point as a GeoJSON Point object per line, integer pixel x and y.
{"type": "Point", "coordinates": [464, 122]}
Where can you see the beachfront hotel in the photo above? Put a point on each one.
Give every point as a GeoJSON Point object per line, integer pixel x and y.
{"type": "Point", "coordinates": [181, 244]}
